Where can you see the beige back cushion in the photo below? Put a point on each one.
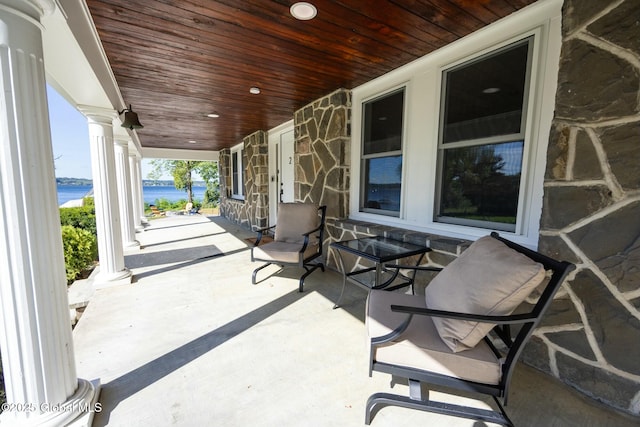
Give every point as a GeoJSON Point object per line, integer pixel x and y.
{"type": "Point", "coordinates": [488, 278]}
{"type": "Point", "coordinates": [294, 219]}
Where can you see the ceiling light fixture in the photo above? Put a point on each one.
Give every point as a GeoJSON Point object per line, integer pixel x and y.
{"type": "Point", "coordinates": [193, 142]}
{"type": "Point", "coordinates": [213, 115]}
{"type": "Point", "coordinates": [303, 11]}
{"type": "Point", "coordinates": [254, 90]}
{"type": "Point", "coordinates": [130, 119]}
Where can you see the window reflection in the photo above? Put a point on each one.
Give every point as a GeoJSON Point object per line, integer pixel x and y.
{"type": "Point", "coordinates": [383, 183]}
{"type": "Point", "coordinates": [482, 182]}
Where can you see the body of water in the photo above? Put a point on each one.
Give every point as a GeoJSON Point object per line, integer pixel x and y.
{"type": "Point", "coordinates": [150, 193]}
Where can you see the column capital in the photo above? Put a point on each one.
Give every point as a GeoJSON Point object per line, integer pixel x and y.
{"type": "Point", "coordinates": [121, 140]}
{"type": "Point", "coordinates": [34, 9]}
{"type": "Point", "coordinates": [99, 115]}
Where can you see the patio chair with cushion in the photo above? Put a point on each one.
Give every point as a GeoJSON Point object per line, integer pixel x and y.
{"type": "Point", "coordinates": [189, 209]}
{"type": "Point", "coordinates": [297, 239]}
{"type": "Point", "coordinates": [442, 338]}
{"type": "Point", "coordinates": [155, 211]}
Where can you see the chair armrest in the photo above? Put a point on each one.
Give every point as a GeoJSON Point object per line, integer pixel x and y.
{"type": "Point", "coordinates": [393, 334]}
{"type": "Point", "coordinates": [306, 237]}
{"type": "Point", "coordinates": [499, 320]}
{"type": "Point", "coordinates": [313, 231]}
{"type": "Point", "coordinates": [261, 232]}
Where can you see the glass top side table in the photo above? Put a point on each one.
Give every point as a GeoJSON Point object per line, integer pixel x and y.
{"type": "Point", "coordinates": [379, 250]}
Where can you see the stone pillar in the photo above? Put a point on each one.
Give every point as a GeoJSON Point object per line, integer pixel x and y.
{"type": "Point", "coordinates": [36, 343]}
{"type": "Point", "coordinates": [591, 206]}
{"type": "Point", "coordinates": [136, 191]}
{"type": "Point", "coordinates": [322, 154]}
{"type": "Point", "coordinates": [125, 196]}
{"type": "Point", "coordinates": [256, 180]}
{"type": "Point", "coordinates": [110, 249]}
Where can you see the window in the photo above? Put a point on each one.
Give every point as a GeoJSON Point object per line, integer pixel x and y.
{"type": "Point", "coordinates": [481, 141]}
{"type": "Point", "coordinates": [237, 172]}
{"type": "Point", "coordinates": [382, 154]}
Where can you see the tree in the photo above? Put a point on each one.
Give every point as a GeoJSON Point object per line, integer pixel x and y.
{"type": "Point", "coordinates": [209, 173]}
{"type": "Point", "coordinates": [182, 171]}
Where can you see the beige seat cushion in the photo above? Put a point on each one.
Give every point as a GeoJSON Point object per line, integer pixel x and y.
{"type": "Point", "coordinates": [295, 219]}
{"type": "Point", "coordinates": [488, 278]}
{"type": "Point", "coordinates": [282, 252]}
{"type": "Point", "coordinates": [420, 346]}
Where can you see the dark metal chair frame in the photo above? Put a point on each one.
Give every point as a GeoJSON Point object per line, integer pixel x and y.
{"type": "Point", "coordinates": [302, 262]}
{"type": "Point", "coordinates": [513, 348]}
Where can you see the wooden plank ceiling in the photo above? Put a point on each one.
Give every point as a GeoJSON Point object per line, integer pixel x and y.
{"type": "Point", "coordinates": [176, 61]}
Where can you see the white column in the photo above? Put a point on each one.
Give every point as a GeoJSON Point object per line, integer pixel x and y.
{"type": "Point", "coordinates": [125, 196]}
{"type": "Point", "coordinates": [108, 226]}
{"type": "Point", "coordinates": [135, 190]}
{"type": "Point", "coordinates": [35, 331]}
{"type": "Point", "coordinates": [143, 218]}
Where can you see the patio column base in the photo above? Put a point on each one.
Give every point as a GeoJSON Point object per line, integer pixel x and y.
{"type": "Point", "coordinates": [84, 418]}
{"type": "Point", "coordinates": [132, 244]}
{"type": "Point", "coordinates": [107, 280]}
{"type": "Point", "coordinates": [77, 411]}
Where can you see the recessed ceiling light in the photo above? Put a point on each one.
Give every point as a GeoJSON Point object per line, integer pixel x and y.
{"type": "Point", "coordinates": [213, 115]}
{"type": "Point", "coordinates": [193, 142]}
{"type": "Point", "coordinates": [303, 11]}
{"type": "Point", "coordinates": [254, 90]}
{"type": "Point", "coordinates": [490, 90]}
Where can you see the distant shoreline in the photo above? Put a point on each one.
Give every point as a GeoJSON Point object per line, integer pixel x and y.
{"type": "Point", "coordinates": [150, 193]}
{"type": "Point", "coordinates": [145, 182]}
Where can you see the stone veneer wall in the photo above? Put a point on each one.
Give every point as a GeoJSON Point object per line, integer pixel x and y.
{"type": "Point", "coordinates": [322, 153]}
{"type": "Point", "coordinates": [591, 213]}
{"type": "Point", "coordinates": [253, 211]}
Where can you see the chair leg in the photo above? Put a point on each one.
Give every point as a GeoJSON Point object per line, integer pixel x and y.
{"type": "Point", "coordinates": [379, 400]}
{"type": "Point", "coordinates": [255, 272]}
{"type": "Point", "coordinates": [310, 269]}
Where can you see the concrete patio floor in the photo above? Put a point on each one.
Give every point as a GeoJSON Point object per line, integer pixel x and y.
{"type": "Point", "coordinates": [192, 343]}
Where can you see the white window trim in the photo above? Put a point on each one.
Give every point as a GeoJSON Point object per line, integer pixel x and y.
{"type": "Point", "coordinates": [360, 195]}
{"type": "Point", "coordinates": [422, 79]}
{"type": "Point", "coordinates": [239, 148]}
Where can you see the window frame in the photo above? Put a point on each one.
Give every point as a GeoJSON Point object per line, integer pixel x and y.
{"type": "Point", "coordinates": [530, 41]}
{"type": "Point", "coordinates": [423, 82]}
{"type": "Point", "coordinates": [392, 153]}
{"type": "Point", "coordinates": [238, 152]}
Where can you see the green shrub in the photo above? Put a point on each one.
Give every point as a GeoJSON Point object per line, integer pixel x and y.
{"type": "Point", "coordinates": [211, 198]}
{"type": "Point", "coordinates": [83, 217]}
{"type": "Point", "coordinates": [89, 202]}
{"type": "Point", "coordinates": [80, 250]}
{"type": "Point", "coordinates": [166, 205]}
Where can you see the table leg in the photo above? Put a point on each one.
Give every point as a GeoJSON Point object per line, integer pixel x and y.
{"type": "Point", "coordinates": [344, 279]}
{"type": "Point", "coordinates": [378, 274]}
{"type": "Point", "coordinates": [413, 277]}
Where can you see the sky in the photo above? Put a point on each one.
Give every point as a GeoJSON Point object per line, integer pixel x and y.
{"type": "Point", "coordinates": [70, 140]}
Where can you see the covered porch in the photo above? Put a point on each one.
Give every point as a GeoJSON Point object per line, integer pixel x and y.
{"type": "Point", "coordinates": [192, 342]}
{"type": "Point", "coordinates": [187, 322]}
